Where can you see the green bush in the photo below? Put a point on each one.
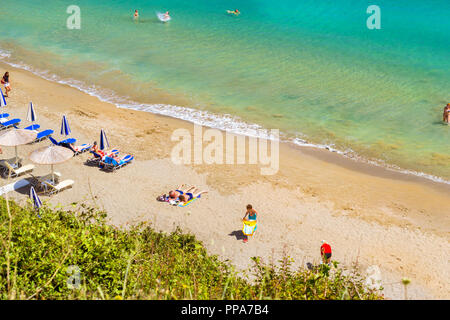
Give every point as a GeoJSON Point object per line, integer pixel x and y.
{"type": "Point", "coordinates": [139, 263]}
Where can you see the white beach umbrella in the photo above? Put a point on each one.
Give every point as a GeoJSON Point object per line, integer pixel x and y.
{"type": "Point", "coordinates": [2, 99]}
{"type": "Point", "coordinates": [31, 115]}
{"type": "Point", "coordinates": [17, 137]}
{"type": "Point", "coordinates": [51, 155]}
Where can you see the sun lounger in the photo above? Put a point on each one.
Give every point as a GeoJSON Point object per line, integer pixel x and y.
{"type": "Point", "coordinates": [9, 124]}
{"type": "Point", "coordinates": [81, 149]}
{"type": "Point", "coordinates": [111, 164]}
{"type": "Point", "coordinates": [15, 172]}
{"type": "Point", "coordinates": [38, 182]}
{"type": "Point", "coordinates": [40, 135]}
{"type": "Point", "coordinates": [61, 143]}
{"type": "Point", "coordinates": [4, 117]}
{"type": "Point", "coordinates": [68, 141]}
{"type": "Point", "coordinates": [44, 134]}
{"type": "Point", "coordinates": [33, 127]}
{"type": "Point", "coordinates": [52, 189]}
{"type": "Point", "coordinates": [98, 157]}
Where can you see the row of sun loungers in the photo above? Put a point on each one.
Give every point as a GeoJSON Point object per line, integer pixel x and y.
{"type": "Point", "coordinates": [5, 123]}
{"type": "Point", "coordinates": [13, 170]}
{"type": "Point", "coordinates": [110, 160]}
{"type": "Point", "coordinates": [41, 135]}
{"type": "Point", "coordinates": [107, 161]}
{"type": "Point", "coordinates": [69, 143]}
{"type": "Point", "coordinates": [50, 187]}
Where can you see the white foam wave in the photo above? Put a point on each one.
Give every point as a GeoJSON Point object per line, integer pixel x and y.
{"type": "Point", "coordinates": [224, 122]}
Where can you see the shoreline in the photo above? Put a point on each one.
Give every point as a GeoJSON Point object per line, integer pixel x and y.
{"type": "Point", "coordinates": [377, 216]}
{"type": "Point", "coordinates": [326, 152]}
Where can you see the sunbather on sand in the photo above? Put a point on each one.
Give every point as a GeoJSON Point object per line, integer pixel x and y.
{"type": "Point", "coordinates": [175, 194]}
{"type": "Point", "coordinates": [188, 196]}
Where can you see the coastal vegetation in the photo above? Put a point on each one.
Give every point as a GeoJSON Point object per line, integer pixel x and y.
{"type": "Point", "coordinates": [76, 254]}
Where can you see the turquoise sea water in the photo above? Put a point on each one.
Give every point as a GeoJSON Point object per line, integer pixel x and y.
{"type": "Point", "coordinates": [308, 67]}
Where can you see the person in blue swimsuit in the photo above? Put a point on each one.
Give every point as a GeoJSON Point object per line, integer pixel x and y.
{"type": "Point", "coordinates": [188, 196]}
{"type": "Point", "coordinates": [251, 213]}
{"type": "Point", "coordinates": [175, 194]}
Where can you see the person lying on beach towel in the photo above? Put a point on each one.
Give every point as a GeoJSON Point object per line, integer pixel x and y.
{"type": "Point", "coordinates": [188, 196]}
{"type": "Point", "coordinates": [175, 194]}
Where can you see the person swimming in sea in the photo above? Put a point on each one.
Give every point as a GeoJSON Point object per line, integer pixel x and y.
{"type": "Point", "coordinates": [235, 12]}
{"type": "Point", "coordinates": [136, 15]}
{"type": "Point", "coordinates": [166, 15]}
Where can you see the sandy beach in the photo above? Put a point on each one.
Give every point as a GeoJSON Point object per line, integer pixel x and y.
{"type": "Point", "coordinates": [369, 215]}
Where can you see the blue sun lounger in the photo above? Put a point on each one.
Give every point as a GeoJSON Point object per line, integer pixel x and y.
{"type": "Point", "coordinates": [4, 117]}
{"type": "Point", "coordinates": [111, 164]}
{"type": "Point", "coordinates": [33, 127]}
{"type": "Point", "coordinates": [44, 134]}
{"type": "Point", "coordinates": [9, 124]}
{"type": "Point", "coordinates": [41, 135]}
{"type": "Point", "coordinates": [68, 140]}
{"type": "Point", "coordinates": [67, 143]}
{"type": "Point", "coordinates": [98, 157]}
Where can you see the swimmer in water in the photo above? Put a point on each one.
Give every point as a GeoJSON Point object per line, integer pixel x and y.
{"type": "Point", "coordinates": [166, 15]}
{"type": "Point", "coordinates": [235, 12]}
{"type": "Point", "coordinates": [136, 15]}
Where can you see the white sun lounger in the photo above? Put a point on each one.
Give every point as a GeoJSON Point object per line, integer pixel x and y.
{"type": "Point", "coordinates": [51, 189]}
{"type": "Point", "coordinates": [16, 172]}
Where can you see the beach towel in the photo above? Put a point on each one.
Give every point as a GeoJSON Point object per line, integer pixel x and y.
{"type": "Point", "coordinates": [189, 202]}
{"type": "Point", "coordinates": [249, 227]}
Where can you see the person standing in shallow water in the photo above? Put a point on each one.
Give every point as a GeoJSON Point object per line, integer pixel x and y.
{"type": "Point", "coordinates": [5, 82]}
{"type": "Point", "coordinates": [446, 115]}
{"type": "Point", "coordinates": [136, 15]}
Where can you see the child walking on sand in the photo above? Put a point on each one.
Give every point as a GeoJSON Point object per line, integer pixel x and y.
{"type": "Point", "coordinates": [251, 213]}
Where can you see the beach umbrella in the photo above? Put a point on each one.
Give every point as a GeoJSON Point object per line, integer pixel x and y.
{"type": "Point", "coordinates": [31, 115]}
{"type": "Point", "coordinates": [103, 140]}
{"type": "Point", "coordinates": [51, 155]}
{"type": "Point", "coordinates": [37, 203]}
{"type": "Point", "coordinates": [65, 129]}
{"type": "Point", "coordinates": [17, 137]}
{"type": "Point", "coordinates": [2, 99]}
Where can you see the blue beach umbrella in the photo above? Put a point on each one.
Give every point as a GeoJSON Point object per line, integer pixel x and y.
{"type": "Point", "coordinates": [31, 115]}
{"type": "Point", "coordinates": [2, 99]}
{"type": "Point", "coordinates": [103, 140]}
{"type": "Point", "coordinates": [65, 129]}
{"type": "Point", "coordinates": [37, 203]}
